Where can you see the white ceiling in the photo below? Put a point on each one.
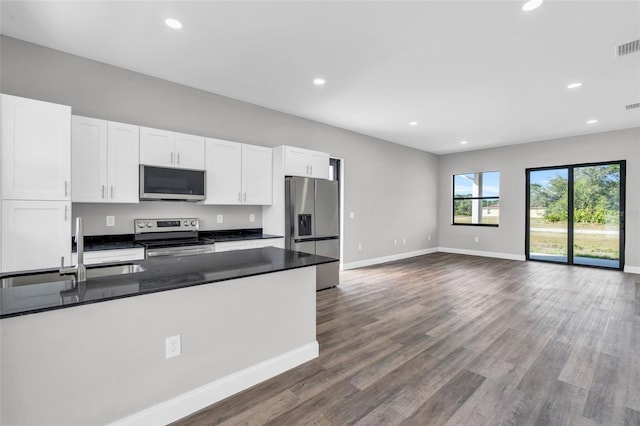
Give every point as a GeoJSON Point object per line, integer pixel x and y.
{"type": "Point", "coordinates": [481, 71]}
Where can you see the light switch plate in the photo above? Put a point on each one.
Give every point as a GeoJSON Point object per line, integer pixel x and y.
{"type": "Point", "coordinates": [352, 215]}
{"type": "Point", "coordinates": [219, 218]}
{"type": "Point", "coordinates": [111, 221]}
{"type": "Point", "coordinates": [252, 217]}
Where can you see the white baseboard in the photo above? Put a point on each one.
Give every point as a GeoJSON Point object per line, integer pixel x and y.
{"type": "Point", "coordinates": [632, 269]}
{"type": "Point", "coordinates": [494, 254]}
{"type": "Point", "coordinates": [384, 259]}
{"type": "Point", "coordinates": [199, 398]}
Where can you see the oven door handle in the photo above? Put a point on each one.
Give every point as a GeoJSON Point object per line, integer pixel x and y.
{"type": "Point", "coordinates": [180, 251]}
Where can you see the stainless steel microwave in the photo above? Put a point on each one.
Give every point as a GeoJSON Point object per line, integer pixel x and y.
{"type": "Point", "coordinates": [164, 183]}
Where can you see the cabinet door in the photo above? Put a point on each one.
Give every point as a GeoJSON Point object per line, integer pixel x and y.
{"type": "Point", "coordinates": [295, 162]}
{"type": "Point", "coordinates": [156, 147]}
{"type": "Point", "coordinates": [233, 245]}
{"type": "Point", "coordinates": [36, 150]}
{"type": "Point", "coordinates": [223, 165]}
{"type": "Point", "coordinates": [257, 177]}
{"type": "Point", "coordinates": [123, 163]}
{"type": "Point", "coordinates": [35, 234]}
{"type": "Point", "coordinates": [271, 242]}
{"type": "Point", "coordinates": [189, 151]}
{"type": "Point", "coordinates": [319, 164]}
{"type": "Point", "coordinates": [88, 160]}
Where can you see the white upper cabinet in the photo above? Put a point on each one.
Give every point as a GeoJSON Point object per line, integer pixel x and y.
{"type": "Point", "coordinates": [36, 234]}
{"type": "Point", "coordinates": [88, 159]}
{"type": "Point", "coordinates": [156, 147]}
{"type": "Point", "coordinates": [257, 175]}
{"type": "Point", "coordinates": [238, 173]}
{"type": "Point", "coordinates": [296, 161]}
{"type": "Point", "coordinates": [123, 163]}
{"type": "Point", "coordinates": [163, 148]}
{"type": "Point", "coordinates": [223, 164]}
{"type": "Point", "coordinates": [189, 151]}
{"type": "Point", "coordinates": [319, 164]}
{"type": "Point", "coordinates": [104, 161]}
{"type": "Point", "coordinates": [306, 163]}
{"type": "Point", "coordinates": [36, 150]}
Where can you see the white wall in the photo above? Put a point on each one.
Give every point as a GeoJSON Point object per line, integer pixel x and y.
{"type": "Point", "coordinates": [508, 240]}
{"type": "Point", "coordinates": [390, 188]}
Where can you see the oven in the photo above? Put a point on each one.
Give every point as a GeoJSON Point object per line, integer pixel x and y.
{"type": "Point", "coordinates": [171, 237]}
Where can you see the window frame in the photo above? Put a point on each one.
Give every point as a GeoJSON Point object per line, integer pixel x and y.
{"type": "Point", "coordinates": [454, 199]}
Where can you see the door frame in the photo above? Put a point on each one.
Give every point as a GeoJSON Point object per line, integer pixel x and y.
{"type": "Point", "coordinates": [570, 188]}
{"type": "Point", "coordinates": [341, 214]}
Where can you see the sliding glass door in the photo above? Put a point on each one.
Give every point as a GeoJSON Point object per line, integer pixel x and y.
{"type": "Point", "coordinates": [575, 214]}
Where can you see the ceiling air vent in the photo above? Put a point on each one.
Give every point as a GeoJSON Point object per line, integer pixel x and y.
{"type": "Point", "coordinates": [627, 48]}
{"type": "Point", "coordinates": [633, 106]}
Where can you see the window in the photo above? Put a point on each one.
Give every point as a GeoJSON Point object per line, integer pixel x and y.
{"type": "Point", "coordinates": [476, 199]}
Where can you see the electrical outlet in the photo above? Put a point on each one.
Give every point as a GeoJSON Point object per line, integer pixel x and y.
{"type": "Point", "coordinates": [428, 237]}
{"type": "Point", "coordinates": [173, 348]}
{"type": "Point", "coordinates": [359, 246]}
{"type": "Point", "coordinates": [219, 218]}
{"type": "Point", "coordinates": [352, 215]}
{"type": "Point", "coordinates": [395, 242]}
{"type": "Point", "coordinates": [252, 217]}
{"type": "Point", "coordinates": [404, 241]}
{"type": "Point", "coordinates": [111, 221]}
{"type": "Point", "coordinates": [476, 239]}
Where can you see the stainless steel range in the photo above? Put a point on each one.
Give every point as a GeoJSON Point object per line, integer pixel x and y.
{"type": "Point", "coordinates": [171, 237]}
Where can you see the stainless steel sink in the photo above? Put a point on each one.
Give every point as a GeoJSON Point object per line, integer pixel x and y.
{"type": "Point", "coordinates": [54, 276]}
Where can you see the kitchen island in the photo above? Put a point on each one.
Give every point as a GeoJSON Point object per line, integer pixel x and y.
{"type": "Point", "coordinates": [95, 353]}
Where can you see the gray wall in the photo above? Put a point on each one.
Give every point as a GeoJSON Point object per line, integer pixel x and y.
{"type": "Point", "coordinates": [391, 188]}
{"type": "Point", "coordinates": [94, 215]}
{"type": "Point", "coordinates": [512, 161]}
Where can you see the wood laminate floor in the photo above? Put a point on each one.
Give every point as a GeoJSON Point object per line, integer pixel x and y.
{"type": "Point", "coordinates": [461, 340]}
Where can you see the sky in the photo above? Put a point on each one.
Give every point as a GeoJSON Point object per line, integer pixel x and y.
{"type": "Point", "coordinates": [543, 177]}
{"type": "Point", "coordinates": [490, 184]}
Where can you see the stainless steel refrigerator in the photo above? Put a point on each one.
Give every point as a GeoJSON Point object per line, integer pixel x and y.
{"type": "Point", "coordinates": [313, 223]}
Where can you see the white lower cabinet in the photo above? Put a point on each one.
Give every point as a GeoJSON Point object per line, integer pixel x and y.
{"type": "Point", "coordinates": [109, 256]}
{"type": "Point", "coordinates": [249, 244]}
{"type": "Point", "coordinates": [35, 234]}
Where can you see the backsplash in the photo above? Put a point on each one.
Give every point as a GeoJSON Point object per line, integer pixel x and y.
{"type": "Point", "coordinates": [94, 215]}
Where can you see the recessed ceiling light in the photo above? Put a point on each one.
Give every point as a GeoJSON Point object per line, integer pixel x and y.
{"type": "Point", "coordinates": [463, 142]}
{"type": "Point", "coordinates": [574, 85]}
{"type": "Point", "coordinates": [413, 123]}
{"type": "Point", "coordinates": [531, 4]}
{"type": "Point", "coordinates": [319, 81]}
{"type": "Point", "coordinates": [173, 23]}
{"type": "Point", "coordinates": [592, 121]}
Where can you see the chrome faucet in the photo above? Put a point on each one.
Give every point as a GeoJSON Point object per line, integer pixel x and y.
{"type": "Point", "coordinates": [79, 271]}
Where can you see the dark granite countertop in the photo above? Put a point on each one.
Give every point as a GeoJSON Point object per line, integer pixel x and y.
{"type": "Point", "coordinates": [126, 241]}
{"type": "Point", "coordinates": [167, 273]}
{"type": "Point", "coordinates": [236, 235]}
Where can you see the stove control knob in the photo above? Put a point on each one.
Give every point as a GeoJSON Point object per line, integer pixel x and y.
{"type": "Point", "coordinates": [149, 224]}
{"type": "Point", "coordinates": [140, 224]}
{"type": "Point", "coordinates": [185, 223]}
{"type": "Point", "coordinates": [193, 223]}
